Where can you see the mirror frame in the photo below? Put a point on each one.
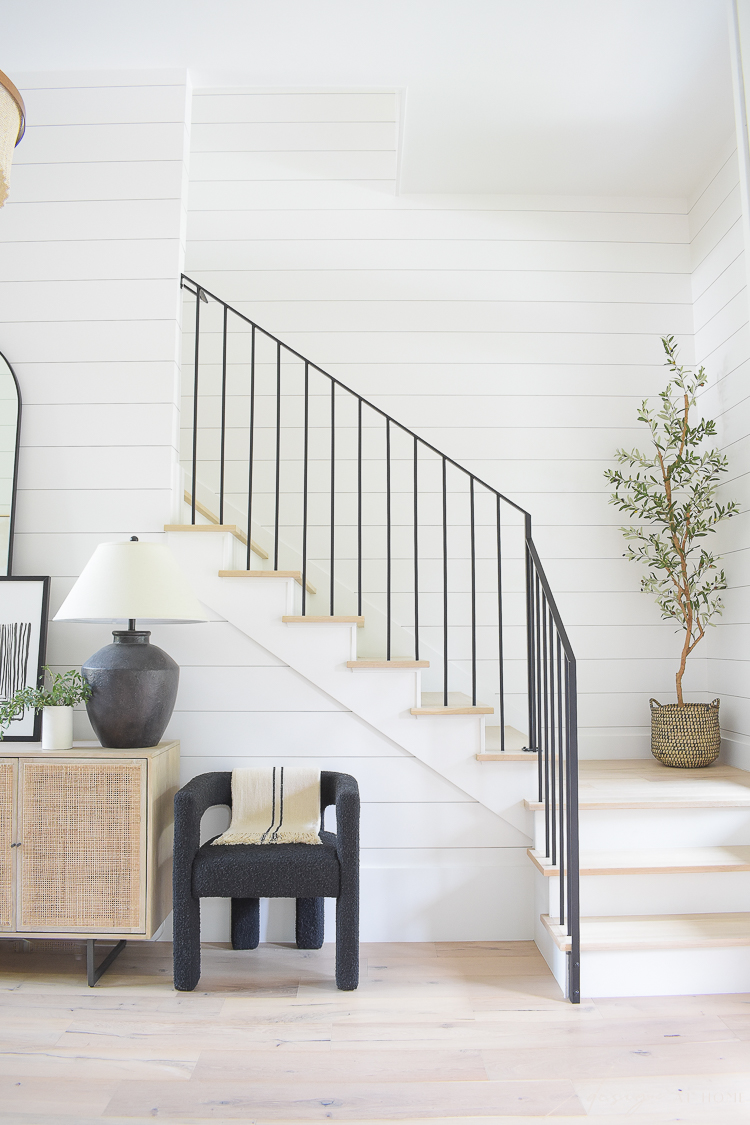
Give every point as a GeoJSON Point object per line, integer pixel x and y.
{"type": "Point", "coordinates": [12, 521]}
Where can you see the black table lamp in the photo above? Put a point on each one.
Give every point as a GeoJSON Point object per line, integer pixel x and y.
{"type": "Point", "coordinates": [133, 683]}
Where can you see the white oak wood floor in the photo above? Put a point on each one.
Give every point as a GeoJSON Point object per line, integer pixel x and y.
{"type": "Point", "coordinates": [456, 1032]}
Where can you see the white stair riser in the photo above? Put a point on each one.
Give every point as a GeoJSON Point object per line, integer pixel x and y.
{"type": "Point", "coordinates": [612, 829]}
{"type": "Point", "coordinates": [665, 972]}
{"type": "Point", "coordinates": [717, 892]}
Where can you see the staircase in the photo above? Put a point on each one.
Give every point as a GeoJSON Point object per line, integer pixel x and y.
{"type": "Point", "coordinates": [411, 592]}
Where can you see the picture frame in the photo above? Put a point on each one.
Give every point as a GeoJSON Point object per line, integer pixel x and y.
{"type": "Point", "coordinates": [24, 611]}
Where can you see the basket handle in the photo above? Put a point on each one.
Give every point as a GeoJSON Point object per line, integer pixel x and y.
{"type": "Point", "coordinates": [714, 704]}
{"type": "Point", "coordinates": [654, 703]}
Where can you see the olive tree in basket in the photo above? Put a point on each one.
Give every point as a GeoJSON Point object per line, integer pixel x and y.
{"type": "Point", "coordinates": [670, 493]}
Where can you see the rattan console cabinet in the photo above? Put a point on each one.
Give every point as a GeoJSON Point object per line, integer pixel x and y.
{"type": "Point", "coordinates": [86, 841]}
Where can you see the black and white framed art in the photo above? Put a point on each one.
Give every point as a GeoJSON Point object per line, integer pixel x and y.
{"type": "Point", "coordinates": [24, 606]}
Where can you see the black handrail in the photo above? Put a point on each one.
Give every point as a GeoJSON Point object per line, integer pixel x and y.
{"type": "Point", "coordinates": [550, 662]}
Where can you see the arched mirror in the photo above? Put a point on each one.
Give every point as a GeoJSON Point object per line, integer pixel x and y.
{"type": "Point", "coordinates": [10, 432]}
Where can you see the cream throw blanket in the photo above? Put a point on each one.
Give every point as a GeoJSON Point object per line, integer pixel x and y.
{"type": "Point", "coordinates": [274, 805]}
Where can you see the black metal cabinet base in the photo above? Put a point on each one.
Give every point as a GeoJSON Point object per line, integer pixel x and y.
{"type": "Point", "coordinates": [94, 972]}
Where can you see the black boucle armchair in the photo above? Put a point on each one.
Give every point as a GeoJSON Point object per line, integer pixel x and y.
{"type": "Point", "coordinates": [248, 872]}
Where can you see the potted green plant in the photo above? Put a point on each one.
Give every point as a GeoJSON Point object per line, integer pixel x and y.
{"type": "Point", "coordinates": [671, 496]}
{"type": "Point", "coordinates": [56, 703]}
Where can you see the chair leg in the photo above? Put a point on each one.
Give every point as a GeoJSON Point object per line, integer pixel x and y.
{"type": "Point", "coordinates": [245, 923]}
{"type": "Point", "coordinates": [347, 940]}
{"type": "Point", "coordinates": [186, 943]}
{"type": "Point", "coordinates": [310, 923]}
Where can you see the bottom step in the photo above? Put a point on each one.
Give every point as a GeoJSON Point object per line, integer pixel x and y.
{"type": "Point", "coordinates": [656, 931]}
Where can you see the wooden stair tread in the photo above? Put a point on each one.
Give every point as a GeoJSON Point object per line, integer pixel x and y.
{"type": "Point", "coordinates": [389, 665]}
{"type": "Point", "coordinates": [310, 619]}
{"type": "Point", "coordinates": [646, 784]}
{"type": "Point", "coordinates": [295, 574]}
{"type": "Point", "coordinates": [232, 528]}
{"type": "Point", "coordinates": [654, 861]}
{"type": "Point", "coordinates": [515, 741]}
{"type": "Point", "coordinates": [458, 704]}
{"type": "Point", "coordinates": [656, 931]}
{"type": "Point", "coordinates": [214, 519]}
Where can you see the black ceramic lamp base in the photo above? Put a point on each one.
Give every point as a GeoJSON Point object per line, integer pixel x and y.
{"type": "Point", "coordinates": [133, 691]}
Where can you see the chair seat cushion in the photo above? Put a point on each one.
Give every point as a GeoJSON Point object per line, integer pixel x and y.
{"type": "Point", "coordinates": [267, 870]}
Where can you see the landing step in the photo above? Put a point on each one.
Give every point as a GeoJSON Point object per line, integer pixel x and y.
{"type": "Point", "coordinates": [654, 861]}
{"type": "Point", "coordinates": [310, 619]}
{"type": "Point", "coordinates": [647, 784]}
{"type": "Point", "coordinates": [295, 574]}
{"type": "Point", "coordinates": [232, 528]}
{"type": "Point", "coordinates": [515, 743]}
{"type": "Point", "coordinates": [656, 931]}
{"type": "Point", "coordinates": [389, 665]}
{"type": "Point", "coordinates": [458, 704]}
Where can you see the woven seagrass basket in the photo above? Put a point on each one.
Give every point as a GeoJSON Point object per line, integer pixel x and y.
{"type": "Point", "coordinates": [687, 737]}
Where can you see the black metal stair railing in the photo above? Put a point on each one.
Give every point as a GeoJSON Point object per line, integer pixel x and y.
{"type": "Point", "coordinates": [462, 577]}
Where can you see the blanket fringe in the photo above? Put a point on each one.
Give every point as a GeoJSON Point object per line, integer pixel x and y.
{"type": "Point", "coordinates": [280, 837]}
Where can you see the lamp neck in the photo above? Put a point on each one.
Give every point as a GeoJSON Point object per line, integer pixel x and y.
{"type": "Point", "coordinates": [131, 636]}
{"type": "Point", "coordinates": [131, 624]}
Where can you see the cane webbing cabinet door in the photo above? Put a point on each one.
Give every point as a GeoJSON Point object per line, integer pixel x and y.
{"type": "Point", "coordinates": [83, 827]}
{"type": "Point", "coordinates": [92, 852]}
{"type": "Point", "coordinates": [7, 838]}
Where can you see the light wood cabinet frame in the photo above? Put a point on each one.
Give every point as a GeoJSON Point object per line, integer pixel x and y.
{"type": "Point", "coordinates": [139, 783]}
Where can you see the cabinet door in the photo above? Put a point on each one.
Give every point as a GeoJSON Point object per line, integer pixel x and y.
{"type": "Point", "coordinates": [7, 837]}
{"type": "Point", "coordinates": [82, 827]}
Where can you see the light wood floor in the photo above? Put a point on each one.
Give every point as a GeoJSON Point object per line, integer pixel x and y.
{"type": "Point", "coordinates": [454, 1031]}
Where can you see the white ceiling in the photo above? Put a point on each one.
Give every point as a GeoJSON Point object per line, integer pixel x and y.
{"type": "Point", "coordinates": [611, 97]}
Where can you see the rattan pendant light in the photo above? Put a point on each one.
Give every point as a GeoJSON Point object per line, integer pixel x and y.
{"type": "Point", "coordinates": [12, 126]}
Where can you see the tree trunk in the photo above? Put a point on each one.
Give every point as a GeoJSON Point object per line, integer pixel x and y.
{"type": "Point", "coordinates": [681, 670]}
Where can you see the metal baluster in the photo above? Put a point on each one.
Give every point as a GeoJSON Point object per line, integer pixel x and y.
{"type": "Point", "coordinates": [359, 507]}
{"type": "Point", "coordinates": [500, 628]}
{"type": "Point", "coordinates": [445, 587]}
{"type": "Point", "coordinates": [333, 487]}
{"type": "Point", "coordinates": [545, 721]}
{"type": "Point", "coordinates": [278, 458]}
{"type": "Point", "coordinates": [250, 449]}
{"type": "Point", "coordinates": [388, 538]}
{"type": "Point", "coordinates": [561, 780]}
{"type": "Point", "coordinates": [473, 597]}
{"type": "Point", "coordinates": [195, 404]}
{"type": "Point", "coordinates": [530, 652]}
{"type": "Point", "coordinates": [304, 493]}
{"type": "Point", "coordinates": [416, 559]}
{"type": "Point", "coordinates": [574, 925]}
{"type": "Point", "coordinates": [552, 744]}
{"type": "Point", "coordinates": [538, 676]}
{"type": "Point", "coordinates": [223, 416]}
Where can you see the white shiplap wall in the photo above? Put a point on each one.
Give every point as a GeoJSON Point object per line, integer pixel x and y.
{"type": "Point", "coordinates": [92, 243]}
{"type": "Point", "coordinates": [722, 344]}
{"type": "Point", "coordinates": [516, 334]}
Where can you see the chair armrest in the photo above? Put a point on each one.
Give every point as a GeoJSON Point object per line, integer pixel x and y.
{"type": "Point", "coordinates": [190, 803]}
{"type": "Point", "coordinates": [346, 799]}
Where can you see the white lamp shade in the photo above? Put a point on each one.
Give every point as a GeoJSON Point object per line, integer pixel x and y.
{"type": "Point", "coordinates": [122, 581]}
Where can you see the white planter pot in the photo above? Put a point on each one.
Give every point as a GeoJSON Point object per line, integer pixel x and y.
{"type": "Point", "coordinates": [57, 728]}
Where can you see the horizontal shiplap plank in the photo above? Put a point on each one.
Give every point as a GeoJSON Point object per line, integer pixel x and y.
{"type": "Point", "coordinates": [294, 136]}
{"type": "Point", "coordinates": [488, 226]}
{"type": "Point", "coordinates": [51, 144]}
{"type": "Point", "coordinates": [429, 254]}
{"type": "Point", "coordinates": [288, 316]}
{"type": "Point", "coordinates": [111, 259]}
{"type": "Point", "coordinates": [93, 510]}
{"type": "Point", "coordinates": [255, 285]}
{"type": "Point", "coordinates": [132, 179]}
{"type": "Point", "coordinates": [105, 105]}
{"type": "Point", "coordinates": [72, 220]}
{"type": "Point", "coordinates": [283, 106]}
{"type": "Point", "coordinates": [353, 165]}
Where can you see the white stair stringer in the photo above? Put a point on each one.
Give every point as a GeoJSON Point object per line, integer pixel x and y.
{"type": "Point", "coordinates": [383, 699]}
